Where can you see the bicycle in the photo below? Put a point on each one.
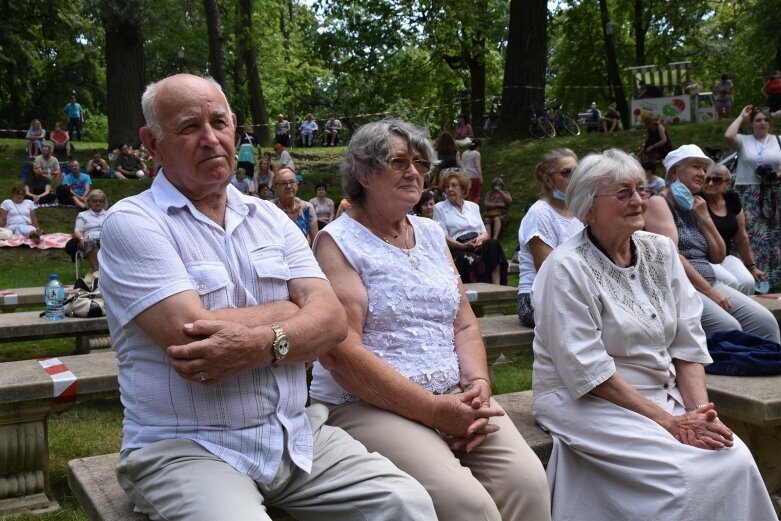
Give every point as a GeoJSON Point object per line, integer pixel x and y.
{"type": "Point", "coordinates": [541, 125]}
{"type": "Point", "coordinates": [564, 124]}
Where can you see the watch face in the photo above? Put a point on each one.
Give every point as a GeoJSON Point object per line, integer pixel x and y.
{"type": "Point", "coordinates": [284, 346]}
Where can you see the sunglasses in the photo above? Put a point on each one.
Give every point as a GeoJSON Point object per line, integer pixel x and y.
{"type": "Point", "coordinates": [567, 172]}
{"type": "Point", "coordinates": [401, 164]}
{"type": "Point", "coordinates": [625, 194]}
{"type": "Point", "coordinates": [715, 181]}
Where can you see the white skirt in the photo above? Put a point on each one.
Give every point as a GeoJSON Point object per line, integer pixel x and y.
{"type": "Point", "coordinates": [609, 463]}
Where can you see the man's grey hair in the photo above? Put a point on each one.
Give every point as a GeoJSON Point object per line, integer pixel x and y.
{"type": "Point", "coordinates": [369, 150]}
{"type": "Point", "coordinates": [599, 171]}
{"type": "Point", "coordinates": [149, 105]}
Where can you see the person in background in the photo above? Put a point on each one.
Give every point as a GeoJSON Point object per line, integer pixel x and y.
{"type": "Point", "coordinates": [759, 152]}
{"type": "Point", "coordinates": [472, 166]}
{"type": "Point", "coordinates": [332, 128]}
{"type": "Point", "coordinates": [611, 118]}
{"type": "Point", "coordinates": [594, 116]}
{"type": "Point", "coordinates": [684, 218]}
{"type": "Point", "coordinates": [35, 137]}
{"type": "Point", "coordinates": [129, 165]}
{"type": "Point", "coordinates": [546, 225]}
{"type": "Point", "coordinates": [497, 208]}
{"type": "Point", "coordinates": [307, 130]}
{"type": "Point", "coordinates": [727, 214]}
{"type": "Point", "coordinates": [464, 133]}
{"type": "Point", "coordinates": [324, 207]}
{"type": "Point", "coordinates": [49, 165]}
{"type": "Point", "coordinates": [38, 187]}
{"type": "Point", "coordinates": [283, 157]}
{"type": "Point", "coordinates": [653, 182]}
{"type": "Point", "coordinates": [74, 187]}
{"type": "Point", "coordinates": [248, 144]}
{"type": "Point", "coordinates": [619, 380]}
{"type": "Point", "coordinates": [425, 205]}
{"type": "Point", "coordinates": [299, 211]}
{"type": "Point", "coordinates": [722, 94]}
{"type": "Point", "coordinates": [88, 226]}
{"type": "Point", "coordinates": [265, 174]}
{"type": "Point", "coordinates": [771, 90]}
{"type": "Point", "coordinates": [75, 114]}
{"type": "Point", "coordinates": [18, 215]}
{"type": "Point", "coordinates": [215, 305]}
{"type": "Point", "coordinates": [97, 166]}
{"type": "Point", "coordinates": [264, 192]}
{"type": "Point", "coordinates": [240, 181]}
{"type": "Point", "coordinates": [477, 257]}
{"type": "Point", "coordinates": [282, 131]}
{"type": "Point", "coordinates": [344, 206]}
{"type": "Point", "coordinates": [657, 143]}
{"type": "Point", "coordinates": [648, 90]}
{"type": "Point", "coordinates": [61, 141]}
{"type": "Point", "coordinates": [410, 380]}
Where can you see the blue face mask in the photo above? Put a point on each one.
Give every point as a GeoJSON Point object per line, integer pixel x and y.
{"type": "Point", "coordinates": [682, 195]}
{"type": "Point", "coordinates": [558, 194]}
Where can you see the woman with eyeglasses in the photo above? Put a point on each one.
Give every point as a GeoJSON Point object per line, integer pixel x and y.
{"type": "Point", "coordinates": [728, 216]}
{"type": "Point", "coordinates": [546, 224]}
{"type": "Point", "coordinates": [410, 380]}
{"type": "Point", "coordinates": [618, 380]}
{"type": "Point", "coordinates": [756, 182]}
{"type": "Point", "coordinates": [299, 211]}
{"type": "Point", "coordinates": [684, 218]}
{"type": "Point", "coordinates": [478, 257]}
{"type": "Point", "coordinates": [89, 223]}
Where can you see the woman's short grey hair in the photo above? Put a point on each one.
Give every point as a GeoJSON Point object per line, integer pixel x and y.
{"type": "Point", "coordinates": [149, 105]}
{"type": "Point", "coordinates": [369, 150]}
{"type": "Point", "coordinates": [598, 171]}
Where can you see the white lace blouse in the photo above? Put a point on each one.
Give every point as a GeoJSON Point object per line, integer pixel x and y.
{"type": "Point", "coordinates": [410, 315]}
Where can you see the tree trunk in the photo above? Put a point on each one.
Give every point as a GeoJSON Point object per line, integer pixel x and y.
{"type": "Point", "coordinates": [125, 71]}
{"type": "Point", "coordinates": [214, 29]}
{"type": "Point", "coordinates": [525, 64]}
{"type": "Point", "coordinates": [614, 76]}
{"type": "Point", "coordinates": [250, 55]}
{"type": "Point", "coordinates": [639, 34]}
{"type": "Point", "coordinates": [477, 82]}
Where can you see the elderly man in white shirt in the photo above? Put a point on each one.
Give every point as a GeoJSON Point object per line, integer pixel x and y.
{"type": "Point", "coordinates": [215, 304]}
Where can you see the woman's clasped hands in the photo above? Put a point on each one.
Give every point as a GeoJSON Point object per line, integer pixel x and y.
{"type": "Point", "coordinates": [701, 428]}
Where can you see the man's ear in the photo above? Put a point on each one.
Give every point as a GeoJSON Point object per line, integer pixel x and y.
{"type": "Point", "coordinates": [149, 140]}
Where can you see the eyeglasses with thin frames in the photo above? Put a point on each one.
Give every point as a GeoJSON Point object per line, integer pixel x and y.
{"type": "Point", "coordinates": [285, 183]}
{"type": "Point", "coordinates": [625, 194]}
{"type": "Point", "coordinates": [715, 181]}
{"type": "Point", "coordinates": [401, 164]}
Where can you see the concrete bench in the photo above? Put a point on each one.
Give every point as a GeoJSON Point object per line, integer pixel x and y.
{"type": "Point", "coordinates": [94, 484]}
{"type": "Point", "coordinates": [11, 299]}
{"type": "Point", "coordinates": [29, 325]}
{"type": "Point", "coordinates": [504, 334]}
{"type": "Point", "coordinates": [26, 402]}
{"type": "Point", "coordinates": [490, 299]}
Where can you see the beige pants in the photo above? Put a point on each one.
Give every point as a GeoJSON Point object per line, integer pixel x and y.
{"type": "Point", "coordinates": [179, 479]}
{"type": "Point", "coordinates": [501, 480]}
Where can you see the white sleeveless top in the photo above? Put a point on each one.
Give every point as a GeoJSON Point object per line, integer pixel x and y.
{"type": "Point", "coordinates": [410, 315]}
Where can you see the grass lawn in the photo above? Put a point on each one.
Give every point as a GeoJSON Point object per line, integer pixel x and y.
{"type": "Point", "coordinates": [95, 428]}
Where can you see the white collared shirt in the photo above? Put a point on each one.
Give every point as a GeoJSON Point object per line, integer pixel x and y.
{"type": "Point", "coordinates": [157, 244]}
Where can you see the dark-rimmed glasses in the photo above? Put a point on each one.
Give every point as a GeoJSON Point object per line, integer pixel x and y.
{"type": "Point", "coordinates": [625, 194]}
{"type": "Point", "coordinates": [401, 164]}
{"type": "Point", "coordinates": [715, 181]}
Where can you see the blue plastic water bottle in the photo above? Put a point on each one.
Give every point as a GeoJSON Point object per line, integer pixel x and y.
{"type": "Point", "coordinates": [54, 294]}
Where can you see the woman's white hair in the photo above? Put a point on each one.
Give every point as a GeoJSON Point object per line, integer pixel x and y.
{"type": "Point", "coordinates": [598, 171]}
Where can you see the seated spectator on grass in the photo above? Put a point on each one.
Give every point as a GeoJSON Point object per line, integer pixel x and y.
{"type": "Point", "coordinates": [240, 181]}
{"type": "Point", "coordinates": [18, 215]}
{"type": "Point", "coordinates": [264, 175]}
{"type": "Point", "coordinates": [129, 165]}
{"type": "Point", "coordinates": [264, 192]}
{"type": "Point", "coordinates": [497, 208]}
{"type": "Point", "coordinates": [282, 131]}
{"type": "Point", "coordinates": [283, 157]}
{"type": "Point", "coordinates": [38, 187]}
{"type": "Point", "coordinates": [88, 226]}
{"type": "Point", "coordinates": [610, 119]}
{"type": "Point", "coordinates": [97, 166]}
{"type": "Point", "coordinates": [477, 257]}
{"type": "Point", "coordinates": [36, 137]}
{"type": "Point", "coordinates": [307, 130]}
{"type": "Point", "coordinates": [410, 380]}
{"type": "Point", "coordinates": [425, 205]}
{"type": "Point", "coordinates": [49, 165]}
{"type": "Point", "coordinates": [618, 381]}
{"type": "Point", "coordinates": [74, 187]}
{"type": "Point", "coordinates": [324, 207]}
{"type": "Point", "coordinates": [653, 182]}
{"type": "Point", "coordinates": [332, 128]}
{"type": "Point", "coordinates": [299, 211]}
{"type": "Point", "coordinates": [61, 142]}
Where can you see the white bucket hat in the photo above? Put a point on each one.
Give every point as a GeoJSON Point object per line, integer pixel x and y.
{"type": "Point", "coordinates": [685, 152]}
